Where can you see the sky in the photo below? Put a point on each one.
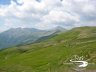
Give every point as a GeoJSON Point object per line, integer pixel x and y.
{"type": "Point", "coordinates": [46, 14]}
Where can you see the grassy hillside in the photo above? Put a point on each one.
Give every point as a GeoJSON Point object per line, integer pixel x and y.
{"type": "Point", "coordinates": [50, 55]}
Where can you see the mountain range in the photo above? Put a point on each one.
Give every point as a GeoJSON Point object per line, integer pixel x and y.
{"type": "Point", "coordinates": [19, 36]}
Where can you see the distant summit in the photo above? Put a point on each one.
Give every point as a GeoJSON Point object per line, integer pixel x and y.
{"type": "Point", "coordinates": [19, 36]}
{"type": "Point", "coordinates": [60, 28]}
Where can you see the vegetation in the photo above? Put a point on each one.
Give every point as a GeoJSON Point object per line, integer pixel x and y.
{"type": "Point", "coordinates": [50, 55]}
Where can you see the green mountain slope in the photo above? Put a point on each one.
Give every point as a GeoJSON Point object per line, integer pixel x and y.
{"type": "Point", "coordinates": [50, 55]}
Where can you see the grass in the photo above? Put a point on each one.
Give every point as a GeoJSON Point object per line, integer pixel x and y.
{"type": "Point", "coordinates": [49, 56]}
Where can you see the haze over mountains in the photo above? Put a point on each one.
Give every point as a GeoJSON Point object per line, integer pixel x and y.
{"type": "Point", "coordinates": [18, 36]}
{"type": "Point", "coordinates": [50, 55]}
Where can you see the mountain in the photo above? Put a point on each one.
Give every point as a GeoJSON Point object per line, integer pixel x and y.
{"type": "Point", "coordinates": [19, 36]}
{"type": "Point", "coordinates": [58, 29]}
{"type": "Point", "coordinates": [53, 54]}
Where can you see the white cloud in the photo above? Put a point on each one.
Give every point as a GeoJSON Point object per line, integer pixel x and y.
{"type": "Point", "coordinates": [20, 1]}
{"type": "Point", "coordinates": [60, 16]}
{"type": "Point", "coordinates": [89, 8]}
{"type": "Point", "coordinates": [45, 25]}
{"type": "Point", "coordinates": [47, 13]}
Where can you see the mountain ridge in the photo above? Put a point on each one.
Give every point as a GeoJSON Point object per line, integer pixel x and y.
{"type": "Point", "coordinates": [17, 36]}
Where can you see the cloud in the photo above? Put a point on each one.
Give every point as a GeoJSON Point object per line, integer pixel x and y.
{"type": "Point", "coordinates": [44, 14]}
{"type": "Point", "coordinates": [60, 16]}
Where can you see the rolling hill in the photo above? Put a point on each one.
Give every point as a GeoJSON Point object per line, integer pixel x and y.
{"type": "Point", "coordinates": [51, 54]}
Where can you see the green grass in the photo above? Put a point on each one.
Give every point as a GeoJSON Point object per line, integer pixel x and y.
{"type": "Point", "coordinates": [49, 56]}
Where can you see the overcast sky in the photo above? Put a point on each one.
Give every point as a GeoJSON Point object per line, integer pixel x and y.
{"type": "Point", "coordinates": [45, 14]}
